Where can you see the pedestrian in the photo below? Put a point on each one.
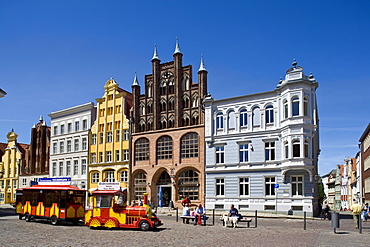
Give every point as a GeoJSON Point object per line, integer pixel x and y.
{"type": "Point", "coordinates": [186, 210]}
{"type": "Point", "coordinates": [365, 211]}
{"type": "Point", "coordinates": [140, 203]}
{"type": "Point", "coordinates": [356, 211]}
{"type": "Point", "coordinates": [186, 201]}
{"type": "Point", "coordinates": [200, 211]}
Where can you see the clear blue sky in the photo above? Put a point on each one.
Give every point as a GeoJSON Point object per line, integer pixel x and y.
{"type": "Point", "coordinates": [58, 54]}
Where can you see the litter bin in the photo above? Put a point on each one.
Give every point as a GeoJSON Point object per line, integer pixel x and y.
{"type": "Point", "coordinates": [335, 220]}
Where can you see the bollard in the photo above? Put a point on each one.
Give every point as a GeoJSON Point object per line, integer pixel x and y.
{"type": "Point", "coordinates": [255, 219]}
{"type": "Point", "coordinates": [359, 224]}
{"type": "Point", "coordinates": [304, 220]}
{"type": "Point", "coordinates": [213, 216]}
{"type": "Point", "coordinates": [335, 221]}
{"type": "Point", "coordinates": [177, 214]}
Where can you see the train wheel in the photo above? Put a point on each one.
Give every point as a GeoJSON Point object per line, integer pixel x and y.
{"type": "Point", "coordinates": [20, 216]}
{"type": "Point", "coordinates": [28, 218]}
{"type": "Point", "coordinates": [144, 225]}
{"type": "Point", "coordinates": [54, 220]}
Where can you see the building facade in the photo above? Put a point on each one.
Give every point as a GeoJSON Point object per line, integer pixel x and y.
{"type": "Point", "coordinates": [69, 142]}
{"type": "Point", "coordinates": [262, 149]}
{"type": "Point", "coordinates": [36, 164]}
{"type": "Point", "coordinates": [168, 133]}
{"type": "Point", "coordinates": [109, 138]}
{"type": "Point", "coordinates": [14, 152]}
{"type": "Point", "coordinates": [365, 164]}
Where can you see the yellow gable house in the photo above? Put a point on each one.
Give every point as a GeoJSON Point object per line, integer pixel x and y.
{"type": "Point", "coordinates": [109, 139]}
{"type": "Point", "coordinates": [13, 153]}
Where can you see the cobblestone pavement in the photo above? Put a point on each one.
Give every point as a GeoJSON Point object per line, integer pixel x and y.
{"type": "Point", "coordinates": [269, 232]}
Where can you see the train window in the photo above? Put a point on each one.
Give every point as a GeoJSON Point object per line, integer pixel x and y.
{"type": "Point", "coordinates": [103, 201]}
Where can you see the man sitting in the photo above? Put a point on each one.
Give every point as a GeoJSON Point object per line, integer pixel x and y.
{"type": "Point", "coordinates": [233, 216]}
{"type": "Point", "coordinates": [200, 212]}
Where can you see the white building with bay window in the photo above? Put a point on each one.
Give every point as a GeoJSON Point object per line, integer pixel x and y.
{"type": "Point", "coordinates": [70, 143]}
{"type": "Point", "coordinates": [262, 149]}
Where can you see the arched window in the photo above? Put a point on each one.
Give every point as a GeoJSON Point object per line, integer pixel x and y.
{"type": "Point", "coordinates": [296, 148]}
{"type": "Point", "coordinates": [142, 126]}
{"type": "Point", "coordinates": [140, 185]}
{"type": "Point", "coordinates": [150, 124]}
{"type": "Point", "coordinates": [163, 123]}
{"type": "Point", "coordinates": [142, 149]}
{"type": "Point", "coordinates": [269, 114]}
{"type": "Point", "coordinates": [142, 109]}
{"type": "Point", "coordinates": [189, 145]}
{"type": "Point", "coordinates": [164, 179]}
{"type": "Point", "coordinates": [164, 148]}
{"type": "Point", "coordinates": [150, 89]}
{"type": "Point", "coordinates": [162, 88]}
{"type": "Point", "coordinates": [285, 105]}
{"type": "Point", "coordinates": [162, 106]}
{"type": "Point", "coordinates": [171, 104]}
{"type": "Point", "coordinates": [150, 107]}
{"type": "Point", "coordinates": [243, 118]}
{"type": "Point", "coordinates": [185, 82]}
{"type": "Point", "coordinates": [171, 121]}
{"type": "Point", "coordinates": [219, 121]}
{"type": "Point", "coordinates": [195, 101]}
{"type": "Point", "coordinates": [189, 185]}
{"type": "Point", "coordinates": [185, 120]}
{"type": "Point", "coordinates": [231, 120]}
{"type": "Point", "coordinates": [194, 118]}
{"type": "Point", "coordinates": [185, 102]}
{"type": "Point", "coordinates": [305, 106]}
{"type": "Point", "coordinates": [295, 106]}
{"type": "Point", "coordinates": [256, 117]}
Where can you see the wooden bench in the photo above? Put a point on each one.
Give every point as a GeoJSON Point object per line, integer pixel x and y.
{"type": "Point", "coordinates": [243, 219]}
{"type": "Point", "coordinates": [186, 219]}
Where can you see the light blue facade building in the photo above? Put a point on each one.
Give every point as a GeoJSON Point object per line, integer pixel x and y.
{"type": "Point", "coordinates": [262, 149]}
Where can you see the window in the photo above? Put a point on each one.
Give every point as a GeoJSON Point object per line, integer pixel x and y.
{"type": "Point", "coordinates": [296, 149]}
{"type": "Point", "coordinates": [297, 185]}
{"type": "Point", "coordinates": [95, 178]}
{"type": "Point", "coordinates": [305, 106]}
{"type": "Point", "coordinates": [164, 148]}
{"type": "Point", "coordinates": [126, 135]}
{"type": "Point", "coordinates": [101, 139]}
{"type": "Point", "coordinates": [117, 155]}
{"type": "Point", "coordinates": [285, 105]}
{"type": "Point", "coordinates": [220, 186]}
{"type": "Point", "coordinates": [24, 181]}
{"type": "Point", "coordinates": [306, 146]}
{"type": "Point", "coordinates": [109, 176]}
{"type": "Point", "coordinates": [2, 184]}
{"type": "Point", "coordinates": [69, 127]}
{"type": "Point", "coordinates": [2, 197]}
{"type": "Point", "coordinates": [231, 120]}
{"type": "Point", "coordinates": [93, 157]}
{"type": "Point", "coordinates": [108, 156]}
{"type": "Point", "coordinates": [93, 139]}
{"type": "Point", "coordinates": [286, 149]}
{"type": "Point", "coordinates": [243, 153]}
{"type": "Point", "coordinates": [100, 157]}
{"type": "Point", "coordinates": [55, 130]}
{"type": "Point", "coordinates": [269, 114]}
{"type": "Point", "coordinates": [60, 168]}
{"type": "Point", "coordinates": [77, 144]}
{"type": "Point", "coordinates": [269, 186]}
{"type": "Point", "coordinates": [118, 109]}
{"type": "Point", "coordinates": [123, 176]}
{"type": "Point", "coordinates": [126, 155]}
{"type": "Point", "coordinates": [219, 121]}
{"type": "Point", "coordinates": [189, 145]}
{"type": "Point", "coordinates": [62, 129]}
{"type": "Point", "coordinates": [118, 134]}
{"type": "Point", "coordinates": [189, 185]}
{"type": "Point", "coordinates": [69, 146]}
{"type": "Point", "coordinates": [77, 126]}
{"type": "Point", "coordinates": [142, 149]}
{"type": "Point", "coordinates": [244, 186]}
{"type": "Point", "coordinates": [55, 148]}
{"type": "Point", "coordinates": [295, 106]}
{"type": "Point", "coordinates": [256, 117]}
{"type": "Point", "coordinates": [61, 147]}
{"type": "Point", "coordinates": [140, 185]}
{"type": "Point", "coordinates": [84, 143]}
{"type": "Point", "coordinates": [54, 171]}
{"type": "Point", "coordinates": [68, 168]}
{"type": "Point", "coordinates": [14, 184]}
{"type": "Point", "coordinates": [269, 151]}
{"type": "Point", "coordinates": [83, 167]}
{"type": "Point", "coordinates": [84, 124]}
{"type": "Point", "coordinates": [243, 118]}
{"type": "Point", "coordinates": [109, 137]}
{"type": "Point", "coordinates": [220, 154]}
{"type": "Point", "coordinates": [75, 167]}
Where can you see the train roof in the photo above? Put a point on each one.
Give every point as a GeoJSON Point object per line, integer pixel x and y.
{"type": "Point", "coordinates": [100, 192]}
{"type": "Point", "coordinates": [53, 187]}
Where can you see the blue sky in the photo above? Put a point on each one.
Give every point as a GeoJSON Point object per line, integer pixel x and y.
{"type": "Point", "coordinates": [58, 54]}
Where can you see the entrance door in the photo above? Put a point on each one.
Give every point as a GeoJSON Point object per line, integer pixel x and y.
{"type": "Point", "coordinates": [164, 195]}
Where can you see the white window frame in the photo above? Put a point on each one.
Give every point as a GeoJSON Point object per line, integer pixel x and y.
{"type": "Point", "coordinates": [245, 185]}
{"type": "Point", "coordinates": [219, 120]}
{"type": "Point", "coordinates": [270, 150]}
{"type": "Point", "coordinates": [220, 154]}
{"type": "Point", "coordinates": [269, 186]}
{"type": "Point", "coordinates": [243, 122]}
{"type": "Point", "coordinates": [109, 176]}
{"type": "Point", "coordinates": [83, 167]}
{"type": "Point", "coordinates": [123, 176]}
{"type": "Point", "coordinates": [95, 178]}
{"type": "Point", "coordinates": [297, 185]}
{"type": "Point", "coordinates": [75, 167]}
{"type": "Point", "coordinates": [219, 186]}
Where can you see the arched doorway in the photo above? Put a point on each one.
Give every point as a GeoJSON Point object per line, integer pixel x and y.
{"type": "Point", "coordinates": [164, 190]}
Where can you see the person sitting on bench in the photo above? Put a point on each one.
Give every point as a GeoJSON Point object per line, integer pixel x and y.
{"type": "Point", "coordinates": [200, 212]}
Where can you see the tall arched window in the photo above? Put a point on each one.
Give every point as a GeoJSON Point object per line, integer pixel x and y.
{"type": "Point", "coordinates": [171, 104]}
{"type": "Point", "coordinates": [150, 89]}
{"type": "Point", "coordinates": [243, 118]}
{"type": "Point", "coordinates": [256, 117]}
{"type": "Point", "coordinates": [189, 185]}
{"type": "Point", "coordinates": [269, 114]}
{"type": "Point", "coordinates": [142, 149]}
{"type": "Point", "coordinates": [185, 102]}
{"type": "Point", "coordinates": [295, 106]}
{"type": "Point", "coordinates": [140, 185]}
{"type": "Point", "coordinates": [219, 121]}
{"type": "Point", "coordinates": [185, 120]}
{"type": "Point", "coordinates": [189, 145]}
{"type": "Point", "coordinates": [296, 148]}
{"type": "Point", "coordinates": [185, 82]}
{"type": "Point", "coordinates": [231, 120]}
{"type": "Point", "coordinates": [164, 148]}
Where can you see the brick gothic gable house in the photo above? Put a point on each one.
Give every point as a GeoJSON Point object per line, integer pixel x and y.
{"type": "Point", "coordinates": [168, 133]}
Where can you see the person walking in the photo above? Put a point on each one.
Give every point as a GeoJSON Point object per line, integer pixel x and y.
{"type": "Point", "coordinates": [356, 212]}
{"type": "Point", "coordinates": [365, 211]}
